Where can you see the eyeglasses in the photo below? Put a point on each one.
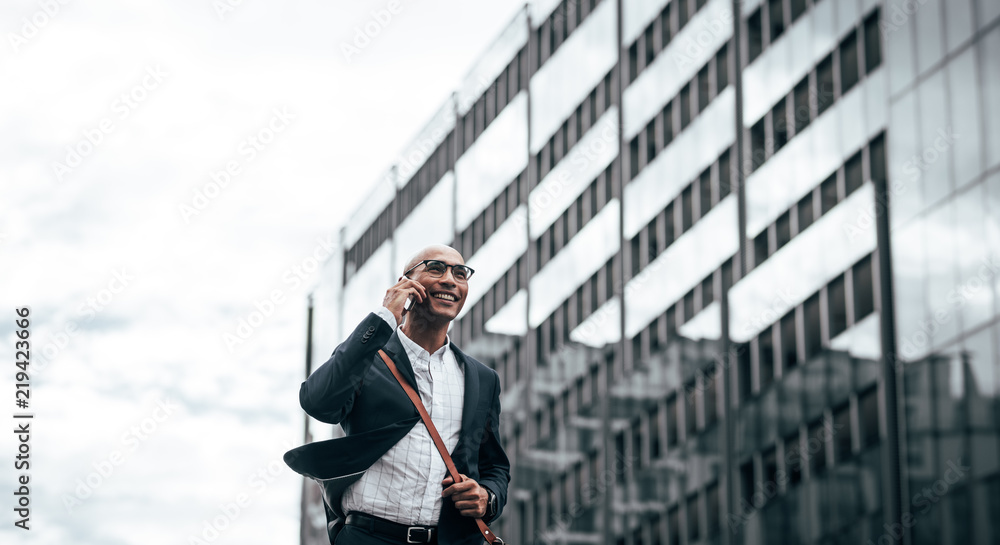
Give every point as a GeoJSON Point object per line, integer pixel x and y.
{"type": "Point", "coordinates": [436, 269]}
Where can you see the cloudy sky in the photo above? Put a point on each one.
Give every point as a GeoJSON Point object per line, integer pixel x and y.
{"type": "Point", "coordinates": [153, 416]}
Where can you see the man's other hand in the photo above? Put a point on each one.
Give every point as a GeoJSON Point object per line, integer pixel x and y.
{"type": "Point", "coordinates": [469, 497]}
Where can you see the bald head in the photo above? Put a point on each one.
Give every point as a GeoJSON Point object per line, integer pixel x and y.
{"type": "Point", "coordinates": [435, 251]}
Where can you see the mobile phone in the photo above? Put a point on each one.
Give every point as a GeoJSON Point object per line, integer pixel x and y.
{"type": "Point", "coordinates": [408, 303]}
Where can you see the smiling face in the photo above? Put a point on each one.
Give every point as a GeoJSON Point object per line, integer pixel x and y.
{"type": "Point", "coordinates": [446, 295]}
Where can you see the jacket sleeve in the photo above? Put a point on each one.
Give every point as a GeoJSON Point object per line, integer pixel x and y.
{"type": "Point", "coordinates": [328, 394]}
{"type": "Point", "coordinates": [494, 467]}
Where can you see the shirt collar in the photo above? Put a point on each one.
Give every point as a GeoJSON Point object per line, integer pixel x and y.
{"type": "Point", "coordinates": [415, 349]}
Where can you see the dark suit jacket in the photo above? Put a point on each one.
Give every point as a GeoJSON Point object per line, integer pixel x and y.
{"type": "Point", "coordinates": [355, 389]}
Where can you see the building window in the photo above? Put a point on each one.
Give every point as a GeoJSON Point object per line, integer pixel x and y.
{"type": "Point", "coordinates": [746, 481]}
{"type": "Point", "coordinates": [703, 91]}
{"type": "Point", "coordinates": [758, 152]}
{"type": "Point", "coordinates": [707, 293]}
{"type": "Point", "coordinates": [777, 16]}
{"type": "Point", "coordinates": [837, 302]}
{"type": "Point", "coordinates": [672, 422]}
{"type": "Point", "coordinates": [682, 13]}
{"type": "Point", "coordinates": [685, 105]}
{"type": "Point", "coordinates": [848, 63]}
{"type": "Point", "coordinates": [635, 247]}
{"type": "Point", "coordinates": [665, 34]}
{"type": "Point", "coordinates": [712, 501]}
{"type": "Point", "coordinates": [755, 36]}
{"type": "Point", "coordinates": [800, 97]}
{"type": "Point", "coordinates": [705, 192]}
{"type": "Point", "coordinates": [813, 338]}
{"type": "Point", "coordinates": [793, 459]}
{"type": "Point", "coordinates": [864, 294]}
{"type": "Point", "coordinates": [876, 154]}
{"type": "Point", "coordinates": [873, 45]}
{"type": "Point", "coordinates": [817, 447]}
{"type": "Point", "coordinates": [722, 68]}
{"type": "Point", "coordinates": [668, 123]}
{"type": "Point", "coordinates": [633, 62]}
{"type": "Point", "coordinates": [673, 527]}
{"type": "Point", "coordinates": [650, 143]}
{"type": "Point", "coordinates": [798, 8]}
{"type": "Point", "coordinates": [789, 355]}
{"type": "Point", "coordinates": [689, 305]}
{"type": "Point", "coordinates": [725, 175]}
{"type": "Point", "coordinates": [649, 48]}
{"type": "Point", "coordinates": [633, 158]}
{"type": "Point", "coordinates": [853, 176]}
{"type": "Point", "coordinates": [824, 85]}
{"type": "Point", "coordinates": [828, 193]}
{"type": "Point", "coordinates": [743, 371]}
{"type": "Point", "coordinates": [694, 529]}
{"type": "Point", "coordinates": [760, 248]}
{"type": "Point", "coordinates": [842, 434]}
{"type": "Point", "coordinates": [779, 125]}
{"type": "Point", "coordinates": [687, 209]}
{"type": "Point", "coordinates": [711, 394]}
{"type": "Point", "coordinates": [654, 432]}
{"type": "Point", "coordinates": [765, 359]}
{"type": "Point", "coordinates": [868, 418]}
{"type": "Point", "coordinates": [783, 230]}
{"type": "Point", "coordinates": [668, 225]}
{"type": "Point", "coordinates": [805, 212]}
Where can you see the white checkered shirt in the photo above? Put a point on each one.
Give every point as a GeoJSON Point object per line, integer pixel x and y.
{"type": "Point", "coordinates": [404, 485]}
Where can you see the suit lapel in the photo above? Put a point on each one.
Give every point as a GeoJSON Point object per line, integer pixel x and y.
{"type": "Point", "coordinates": [472, 396]}
{"type": "Point", "coordinates": [398, 354]}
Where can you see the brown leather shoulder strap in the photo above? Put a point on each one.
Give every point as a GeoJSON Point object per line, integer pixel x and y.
{"type": "Point", "coordinates": [438, 442]}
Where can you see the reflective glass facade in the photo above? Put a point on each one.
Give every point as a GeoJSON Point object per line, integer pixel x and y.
{"type": "Point", "coordinates": [737, 267]}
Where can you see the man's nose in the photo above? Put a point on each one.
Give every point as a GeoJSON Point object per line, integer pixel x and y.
{"type": "Point", "coordinates": [449, 276]}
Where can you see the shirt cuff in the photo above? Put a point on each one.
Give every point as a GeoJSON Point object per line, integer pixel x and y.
{"type": "Point", "coordinates": [387, 315]}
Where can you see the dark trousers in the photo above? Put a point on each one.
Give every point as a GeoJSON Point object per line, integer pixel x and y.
{"type": "Point", "coordinates": [353, 535]}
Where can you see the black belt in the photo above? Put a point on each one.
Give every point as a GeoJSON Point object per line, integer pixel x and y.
{"type": "Point", "coordinates": [393, 530]}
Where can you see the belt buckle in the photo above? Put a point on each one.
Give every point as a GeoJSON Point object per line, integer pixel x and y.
{"type": "Point", "coordinates": [427, 536]}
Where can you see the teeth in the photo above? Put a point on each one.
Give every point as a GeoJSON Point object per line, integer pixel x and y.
{"type": "Point", "coordinates": [445, 296]}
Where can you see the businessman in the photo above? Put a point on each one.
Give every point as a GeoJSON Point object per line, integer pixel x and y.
{"type": "Point", "coordinates": [385, 482]}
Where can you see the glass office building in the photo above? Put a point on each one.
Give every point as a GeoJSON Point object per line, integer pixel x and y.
{"type": "Point", "coordinates": [737, 267]}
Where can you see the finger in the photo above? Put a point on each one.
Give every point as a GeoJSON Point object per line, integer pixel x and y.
{"type": "Point", "coordinates": [465, 486]}
{"type": "Point", "coordinates": [472, 512]}
{"type": "Point", "coordinates": [414, 290]}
